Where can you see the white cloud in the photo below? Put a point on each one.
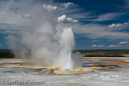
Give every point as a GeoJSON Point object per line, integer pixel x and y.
{"type": "Point", "coordinates": [124, 42]}
{"type": "Point", "coordinates": [109, 16]}
{"type": "Point", "coordinates": [97, 46]}
{"type": "Point", "coordinates": [83, 16]}
{"type": "Point", "coordinates": [116, 25]}
{"type": "Point", "coordinates": [72, 20]}
{"type": "Point", "coordinates": [106, 17]}
{"type": "Point", "coordinates": [75, 21]}
{"type": "Point", "coordinates": [115, 46]}
{"type": "Point", "coordinates": [49, 7]}
{"type": "Point", "coordinates": [69, 19]}
{"type": "Point", "coordinates": [64, 18]}
{"type": "Point", "coordinates": [67, 4]}
{"type": "Point", "coordinates": [61, 18]}
{"type": "Point", "coordinates": [94, 46]}
{"type": "Point", "coordinates": [98, 31]}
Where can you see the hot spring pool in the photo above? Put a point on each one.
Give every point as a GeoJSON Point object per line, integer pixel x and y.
{"type": "Point", "coordinates": [117, 77]}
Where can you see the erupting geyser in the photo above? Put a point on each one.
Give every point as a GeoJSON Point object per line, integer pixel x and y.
{"type": "Point", "coordinates": [66, 44]}
{"type": "Point", "coordinates": [43, 41]}
{"type": "Point", "coordinates": [45, 46]}
{"type": "Point", "coordinates": [50, 49]}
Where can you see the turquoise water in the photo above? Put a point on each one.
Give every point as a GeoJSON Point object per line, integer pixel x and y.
{"type": "Point", "coordinates": [64, 71]}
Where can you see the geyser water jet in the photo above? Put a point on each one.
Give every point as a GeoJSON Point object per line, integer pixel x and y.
{"type": "Point", "coordinates": [66, 44]}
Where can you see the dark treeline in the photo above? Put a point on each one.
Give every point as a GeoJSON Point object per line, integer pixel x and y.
{"type": "Point", "coordinates": [6, 53]}
{"type": "Point", "coordinates": [104, 51]}
{"type": "Point", "coordinates": [104, 55]}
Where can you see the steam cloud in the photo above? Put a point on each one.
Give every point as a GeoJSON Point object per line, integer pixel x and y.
{"type": "Point", "coordinates": [42, 41]}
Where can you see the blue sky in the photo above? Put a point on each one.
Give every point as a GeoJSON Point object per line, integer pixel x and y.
{"type": "Point", "coordinates": [97, 24]}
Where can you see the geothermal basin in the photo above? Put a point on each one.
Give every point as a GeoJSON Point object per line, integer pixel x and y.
{"type": "Point", "coordinates": [12, 70]}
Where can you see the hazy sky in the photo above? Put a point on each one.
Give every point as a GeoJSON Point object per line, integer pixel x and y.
{"type": "Point", "coordinates": [97, 24]}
